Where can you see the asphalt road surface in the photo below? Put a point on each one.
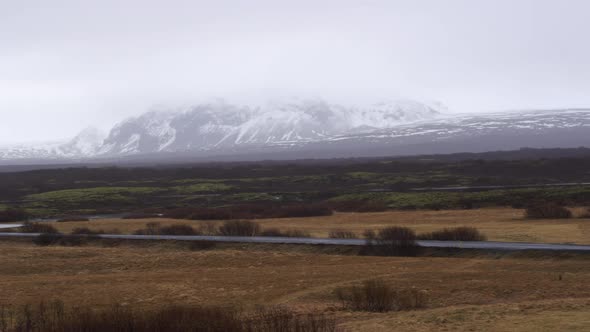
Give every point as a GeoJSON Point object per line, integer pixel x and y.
{"type": "Point", "coordinates": [489, 245]}
{"type": "Point", "coordinates": [6, 226]}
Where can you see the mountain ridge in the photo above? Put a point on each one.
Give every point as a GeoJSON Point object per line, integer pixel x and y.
{"type": "Point", "coordinates": [315, 128]}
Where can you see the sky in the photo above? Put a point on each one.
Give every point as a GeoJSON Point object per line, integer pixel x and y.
{"type": "Point", "coordinates": [69, 64]}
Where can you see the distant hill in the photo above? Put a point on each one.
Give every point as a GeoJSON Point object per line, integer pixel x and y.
{"type": "Point", "coordinates": [309, 129]}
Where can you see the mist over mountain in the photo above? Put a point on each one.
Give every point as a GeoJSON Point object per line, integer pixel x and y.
{"type": "Point", "coordinates": [221, 125]}
{"type": "Point", "coordinates": [314, 128]}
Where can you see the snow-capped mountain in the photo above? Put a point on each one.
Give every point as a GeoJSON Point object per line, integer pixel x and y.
{"type": "Point", "coordinates": [315, 129]}
{"type": "Point", "coordinates": [220, 125]}
{"type": "Point", "coordinates": [86, 143]}
{"type": "Point", "coordinates": [83, 145]}
{"type": "Point", "coordinates": [562, 128]}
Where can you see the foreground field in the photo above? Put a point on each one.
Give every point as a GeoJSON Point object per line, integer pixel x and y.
{"type": "Point", "coordinates": [465, 294]}
{"type": "Point", "coordinates": [498, 224]}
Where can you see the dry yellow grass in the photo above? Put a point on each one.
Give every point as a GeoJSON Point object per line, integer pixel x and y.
{"type": "Point", "coordinates": [466, 294]}
{"type": "Point", "coordinates": [572, 315]}
{"type": "Point", "coordinates": [499, 224]}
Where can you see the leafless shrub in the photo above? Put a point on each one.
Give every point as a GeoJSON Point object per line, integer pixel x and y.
{"type": "Point", "coordinates": [341, 234]}
{"type": "Point", "coordinates": [201, 245]}
{"type": "Point", "coordinates": [280, 319]}
{"type": "Point", "coordinates": [369, 235]}
{"type": "Point", "coordinates": [296, 233]}
{"type": "Point", "coordinates": [151, 228]}
{"type": "Point", "coordinates": [38, 227]}
{"type": "Point", "coordinates": [378, 296]}
{"type": "Point", "coordinates": [547, 210]}
{"type": "Point", "coordinates": [86, 231]}
{"type": "Point", "coordinates": [55, 317]}
{"type": "Point", "coordinates": [275, 232]}
{"type": "Point", "coordinates": [454, 234]}
{"type": "Point", "coordinates": [239, 228]}
{"type": "Point", "coordinates": [178, 230]}
{"type": "Point", "coordinates": [272, 232]}
{"type": "Point", "coordinates": [392, 241]}
{"type": "Point", "coordinates": [47, 239]}
{"type": "Point", "coordinates": [154, 228]}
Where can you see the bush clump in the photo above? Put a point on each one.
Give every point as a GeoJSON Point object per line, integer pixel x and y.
{"type": "Point", "coordinates": [201, 245]}
{"type": "Point", "coordinates": [151, 228]}
{"type": "Point", "coordinates": [48, 239]}
{"type": "Point", "coordinates": [391, 241]}
{"type": "Point", "coordinates": [272, 232]}
{"type": "Point", "coordinates": [38, 227]}
{"type": "Point", "coordinates": [341, 234]}
{"type": "Point", "coordinates": [454, 234]}
{"type": "Point", "coordinates": [86, 231]}
{"type": "Point", "coordinates": [281, 319]}
{"type": "Point", "coordinates": [73, 219]}
{"type": "Point", "coordinates": [239, 228]}
{"type": "Point", "coordinates": [378, 296]}
{"type": "Point", "coordinates": [178, 230]}
{"type": "Point", "coordinates": [296, 233]}
{"type": "Point", "coordinates": [547, 210]}
{"type": "Point", "coordinates": [155, 228]}
{"type": "Point", "coordinates": [275, 232]}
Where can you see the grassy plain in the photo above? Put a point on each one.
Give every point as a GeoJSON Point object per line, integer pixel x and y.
{"type": "Point", "coordinates": [498, 224]}
{"type": "Point", "coordinates": [465, 294]}
{"type": "Point", "coordinates": [406, 183]}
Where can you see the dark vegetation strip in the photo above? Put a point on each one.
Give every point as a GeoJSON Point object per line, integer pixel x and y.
{"type": "Point", "coordinates": [349, 185]}
{"type": "Point", "coordinates": [250, 211]}
{"type": "Point", "coordinates": [56, 317]}
{"type": "Point", "coordinates": [454, 234]}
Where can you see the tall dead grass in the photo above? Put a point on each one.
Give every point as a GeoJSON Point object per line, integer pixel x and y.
{"type": "Point", "coordinates": [56, 317]}
{"type": "Point", "coordinates": [391, 241]}
{"type": "Point", "coordinates": [38, 227]}
{"type": "Point", "coordinates": [547, 210]}
{"type": "Point", "coordinates": [454, 234]}
{"type": "Point", "coordinates": [378, 296]}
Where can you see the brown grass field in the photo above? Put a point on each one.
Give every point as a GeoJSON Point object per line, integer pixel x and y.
{"type": "Point", "coordinates": [466, 294]}
{"type": "Point", "coordinates": [498, 224]}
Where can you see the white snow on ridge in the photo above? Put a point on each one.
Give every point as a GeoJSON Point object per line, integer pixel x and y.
{"type": "Point", "coordinates": [132, 145]}
{"type": "Point", "coordinates": [219, 125]}
{"type": "Point", "coordinates": [85, 144]}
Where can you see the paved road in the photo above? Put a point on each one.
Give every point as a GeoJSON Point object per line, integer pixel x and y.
{"type": "Point", "coordinates": [347, 242]}
{"type": "Point", "coordinates": [6, 226]}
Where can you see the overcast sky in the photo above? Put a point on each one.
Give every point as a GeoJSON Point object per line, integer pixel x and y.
{"type": "Point", "coordinates": [65, 65]}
